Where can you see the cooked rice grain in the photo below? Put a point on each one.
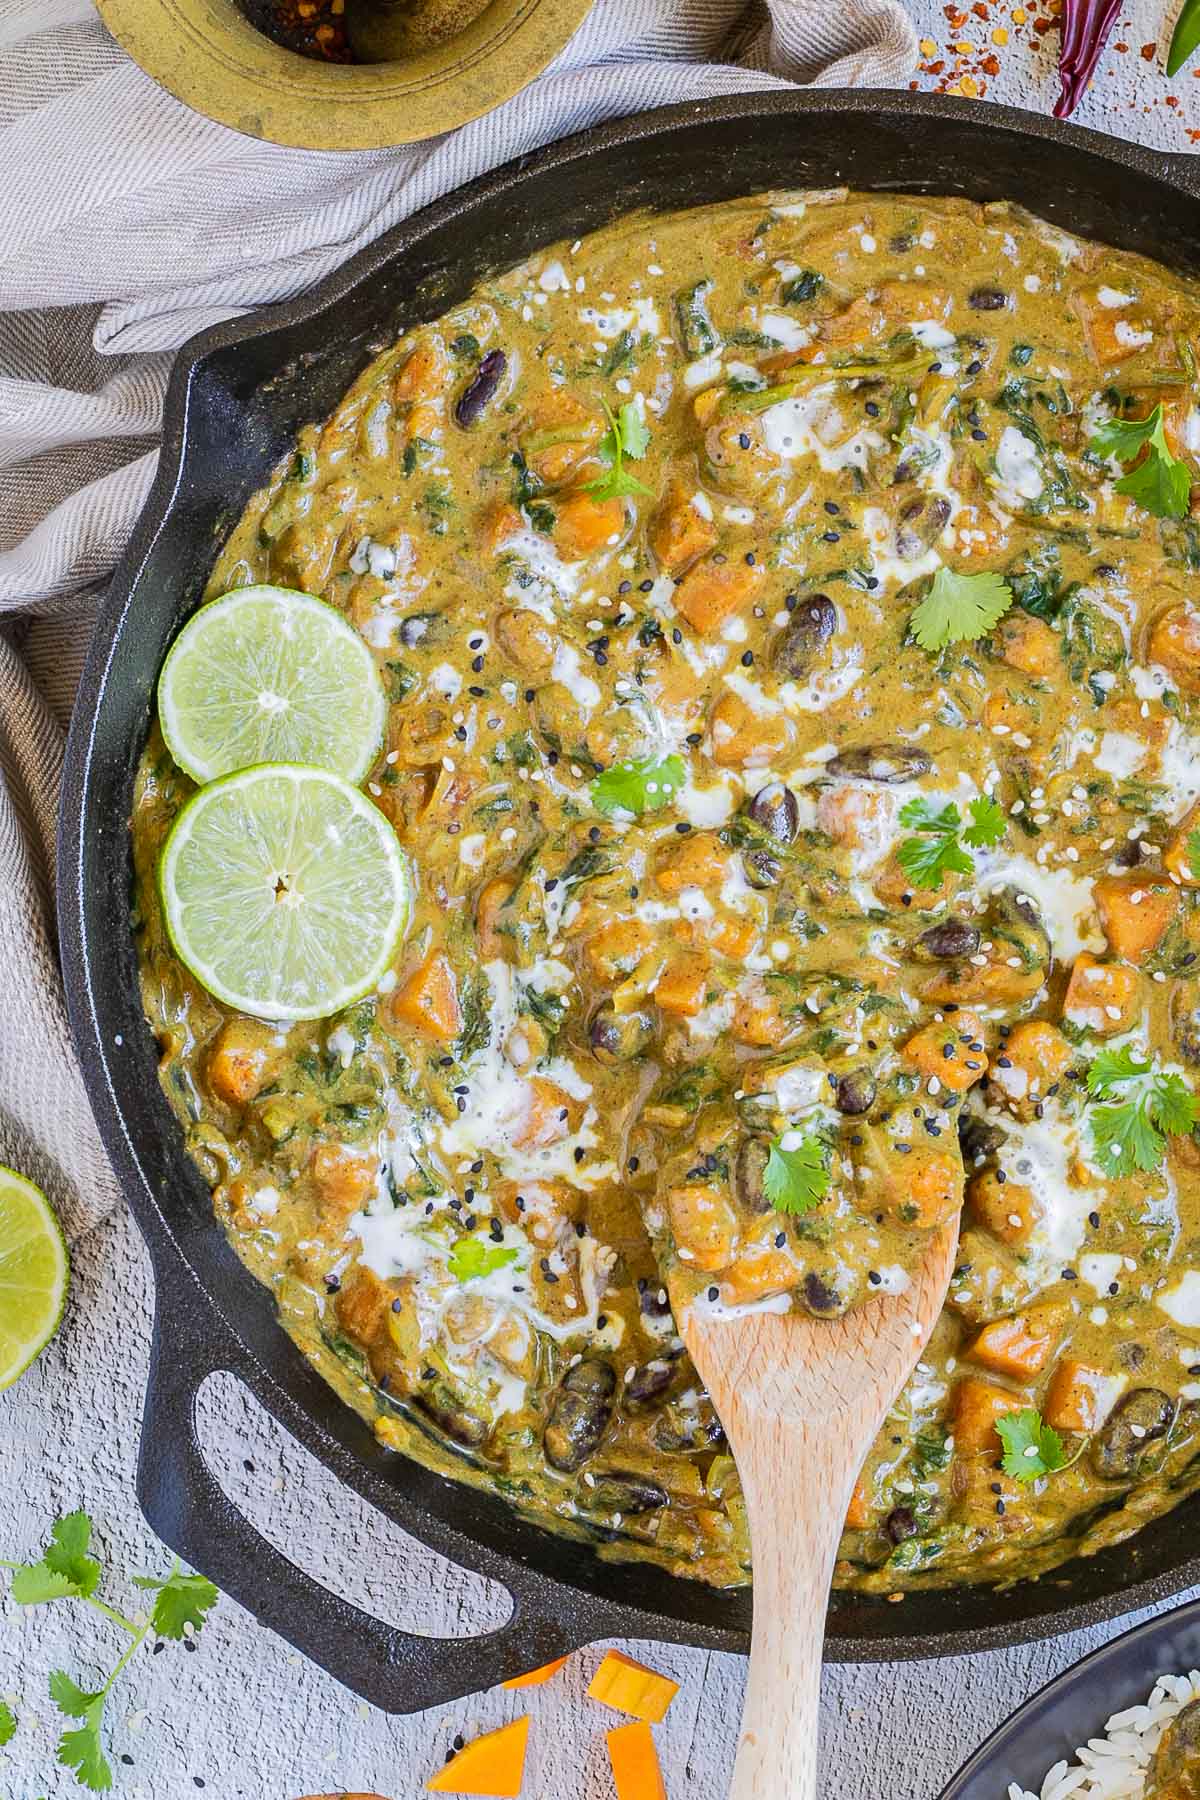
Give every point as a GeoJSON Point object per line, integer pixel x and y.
{"type": "Point", "coordinates": [1113, 1767]}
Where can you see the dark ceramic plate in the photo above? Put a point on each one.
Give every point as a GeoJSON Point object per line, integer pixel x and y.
{"type": "Point", "coordinates": [1075, 1705]}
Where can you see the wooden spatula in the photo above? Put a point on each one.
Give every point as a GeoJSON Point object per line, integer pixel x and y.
{"type": "Point", "coordinates": [801, 1401]}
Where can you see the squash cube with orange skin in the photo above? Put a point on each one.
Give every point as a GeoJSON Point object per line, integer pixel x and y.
{"type": "Point", "coordinates": [428, 1001]}
{"type": "Point", "coordinates": [743, 737]}
{"type": "Point", "coordinates": [757, 1019]}
{"type": "Point", "coordinates": [343, 1179]}
{"type": "Point", "coordinates": [1008, 1209]}
{"type": "Point", "coordinates": [683, 984]}
{"type": "Point", "coordinates": [1135, 912]}
{"type": "Point", "coordinates": [733, 935]}
{"type": "Point", "coordinates": [551, 1116]}
{"type": "Point", "coordinates": [946, 1052]}
{"type": "Point", "coordinates": [584, 523]}
{"type": "Point", "coordinates": [492, 1765]}
{"type": "Point", "coordinates": [1175, 645]}
{"type": "Point", "coordinates": [631, 1687]}
{"type": "Point", "coordinates": [713, 590]}
{"type": "Point", "coordinates": [617, 948]}
{"type": "Point", "coordinates": [1026, 643]}
{"type": "Point", "coordinates": [537, 1677]}
{"type": "Point", "coordinates": [977, 1406]}
{"type": "Point", "coordinates": [637, 1773]}
{"type": "Point", "coordinates": [924, 1190]}
{"type": "Point", "coordinates": [239, 1061]}
{"type": "Point", "coordinates": [1080, 1398]}
{"type": "Point", "coordinates": [1101, 997]}
{"type": "Point", "coordinates": [703, 1225]}
{"type": "Point", "coordinates": [423, 374]}
{"type": "Point", "coordinates": [759, 1271]}
{"type": "Point", "coordinates": [679, 532]}
{"type": "Point", "coordinates": [1178, 857]}
{"type": "Point", "coordinates": [858, 1513]}
{"type": "Point", "coordinates": [559, 433]}
{"type": "Point", "coordinates": [1030, 1060]}
{"type": "Point", "coordinates": [1112, 333]}
{"type": "Point", "coordinates": [1019, 1346]}
{"type": "Point", "coordinates": [498, 524]}
{"type": "Point", "coordinates": [701, 860]}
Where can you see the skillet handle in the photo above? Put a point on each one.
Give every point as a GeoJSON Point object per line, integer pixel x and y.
{"type": "Point", "coordinates": [395, 1670]}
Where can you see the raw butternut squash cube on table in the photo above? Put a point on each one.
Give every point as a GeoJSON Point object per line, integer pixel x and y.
{"type": "Point", "coordinates": [637, 1773]}
{"type": "Point", "coordinates": [492, 1765]}
{"type": "Point", "coordinates": [537, 1677]}
{"type": "Point", "coordinates": [631, 1687]}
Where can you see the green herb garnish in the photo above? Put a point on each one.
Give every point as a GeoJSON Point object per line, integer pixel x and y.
{"type": "Point", "coordinates": [959, 607]}
{"type": "Point", "coordinates": [8, 1724]}
{"type": "Point", "coordinates": [1145, 1106]}
{"type": "Point", "coordinates": [627, 435]}
{"type": "Point", "coordinates": [929, 856]}
{"type": "Point", "coordinates": [639, 787]}
{"type": "Point", "coordinates": [1031, 1447]}
{"type": "Point", "coordinates": [67, 1570]}
{"type": "Point", "coordinates": [796, 1180]}
{"type": "Point", "coordinates": [473, 1257]}
{"type": "Point", "coordinates": [1193, 853]}
{"type": "Point", "coordinates": [1160, 481]}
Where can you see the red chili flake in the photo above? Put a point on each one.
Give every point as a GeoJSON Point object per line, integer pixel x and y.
{"type": "Point", "coordinates": [1148, 52]}
{"type": "Point", "coordinates": [1172, 100]}
{"type": "Point", "coordinates": [980, 10]}
{"type": "Point", "coordinates": [990, 65]}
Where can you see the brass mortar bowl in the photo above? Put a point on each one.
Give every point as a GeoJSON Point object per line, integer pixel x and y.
{"type": "Point", "coordinates": [208, 55]}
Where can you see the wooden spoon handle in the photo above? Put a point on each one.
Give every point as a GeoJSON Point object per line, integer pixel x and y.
{"type": "Point", "coordinates": [796, 1499]}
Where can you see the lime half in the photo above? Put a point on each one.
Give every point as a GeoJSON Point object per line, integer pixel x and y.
{"type": "Point", "coordinates": [266, 674]}
{"type": "Point", "coordinates": [33, 1274]}
{"type": "Point", "coordinates": [284, 891]}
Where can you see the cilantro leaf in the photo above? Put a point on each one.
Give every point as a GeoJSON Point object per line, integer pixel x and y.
{"type": "Point", "coordinates": [8, 1724]}
{"type": "Point", "coordinates": [958, 607]}
{"type": "Point", "coordinates": [1160, 481]}
{"type": "Point", "coordinates": [183, 1599]}
{"type": "Point", "coordinates": [82, 1752]}
{"type": "Point", "coordinates": [67, 1553]}
{"type": "Point", "coordinates": [627, 435]}
{"type": "Point", "coordinates": [471, 1258]}
{"type": "Point", "coordinates": [70, 1698]}
{"type": "Point", "coordinates": [1144, 1106]}
{"type": "Point", "coordinates": [795, 1180]}
{"type": "Point", "coordinates": [35, 1583]}
{"type": "Point", "coordinates": [639, 787]}
{"type": "Point", "coordinates": [1193, 853]}
{"type": "Point", "coordinates": [926, 858]}
{"type": "Point", "coordinates": [1031, 1447]}
{"type": "Point", "coordinates": [988, 823]}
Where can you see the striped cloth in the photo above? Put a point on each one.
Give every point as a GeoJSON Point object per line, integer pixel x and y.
{"type": "Point", "coordinates": [131, 223]}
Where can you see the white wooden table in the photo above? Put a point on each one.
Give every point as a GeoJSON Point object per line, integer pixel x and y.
{"type": "Point", "coordinates": [246, 1718]}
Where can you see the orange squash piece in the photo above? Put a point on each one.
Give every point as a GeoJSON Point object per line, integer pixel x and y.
{"type": "Point", "coordinates": [1080, 1398]}
{"type": "Point", "coordinates": [493, 1765]}
{"type": "Point", "coordinates": [712, 591]}
{"type": "Point", "coordinates": [1176, 857]}
{"type": "Point", "coordinates": [635, 1765]}
{"type": "Point", "coordinates": [683, 984]}
{"type": "Point", "coordinates": [944, 1052]}
{"type": "Point", "coordinates": [629, 1686]}
{"type": "Point", "coordinates": [1135, 911]}
{"type": "Point", "coordinates": [1020, 1345]}
{"type": "Point", "coordinates": [584, 523]}
{"type": "Point", "coordinates": [858, 1513]}
{"type": "Point", "coordinates": [977, 1406]}
{"type": "Point", "coordinates": [536, 1677]}
{"type": "Point", "coordinates": [428, 1001]}
{"type": "Point", "coordinates": [1102, 997]}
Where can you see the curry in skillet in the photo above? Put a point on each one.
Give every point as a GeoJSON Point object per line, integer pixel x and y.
{"type": "Point", "coordinates": [789, 615]}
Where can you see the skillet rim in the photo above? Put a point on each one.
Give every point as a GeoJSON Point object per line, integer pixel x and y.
{"type": "Point", "coordinates": [599, 1614]}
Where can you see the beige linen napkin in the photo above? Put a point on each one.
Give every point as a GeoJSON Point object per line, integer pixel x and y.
{"type": "Point", "coordinates": [128, 224]}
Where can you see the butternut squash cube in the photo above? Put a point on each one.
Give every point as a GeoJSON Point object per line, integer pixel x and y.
{"type": "Point", "coordinates": [977, 1406]}
{"type": "Point", "coordinates": [679, 531]}
{"type": "Point", "coordinates": [703, 1226]}
{"type": "Point", "coordinates": [946, 1054]}
{"type": "Point", "coordinates": [1009, 1210]}
{"type": "Point", "coordinates": [683, 984]}
{"type": "Point", "coordinates": [493, 1765]}
{"type": "Point", "coordinates": [637, 1774]}
{"type": "Point", "coordinates": [1175, 644]}
{"type": "Point", "coordinates": [428, 1001]}
{"type": "Point", "coordinates": [630, 1687]}
{"type": "Point", "coordinates": [1080, 1398]}
{"type": "Point", "coordinates": [1101, 997]}
{"type": "Point", "coordinates": [583, 523]}
{"type": "Point", "coordinates": [712, 591]}
{"type": "Point", "coordinates": [1020, 1345]}
{"type": "Point", "coordinates": [537, 1677]}
{"type": "Point", "coordinates": [1135, 911]}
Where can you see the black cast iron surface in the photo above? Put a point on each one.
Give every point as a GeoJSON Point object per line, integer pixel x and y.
{"type": "Point", "coordinates": [238, 395]}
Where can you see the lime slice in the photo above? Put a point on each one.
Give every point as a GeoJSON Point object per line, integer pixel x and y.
{"type": "Point", "coordinates": [266, 674]}
{"type": "Point", "coordinates": [33, 1274]}
{"type": "Point", "coordinates": [284, 891]}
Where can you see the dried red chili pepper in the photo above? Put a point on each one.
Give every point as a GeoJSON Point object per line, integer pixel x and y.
{"type": "Point", "coordinates": [1086, 25]}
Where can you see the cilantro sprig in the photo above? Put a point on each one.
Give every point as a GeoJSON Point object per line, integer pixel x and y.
{"type": "Point", "coordinates": [639, 787]}
{"type": "Point", "coordinates": [797, 1179]}
{"type": "Point", "coordinates": [627, 436]}
{"type": "Point", "coordinates": [1142, 1106]}
{"type": "Point", "coordinates": [473, 1257]}
{"type": "Point", "coordinates": [1193, 853]}
{"type": "Point", "coordinates": [927, 857]}
{"type": "Point", "coordinates": [958, 607]}
{"type": "Point", "coordinates": [1031, 1447]}
{"type": "Point", "coordinates": [67, 1570]}
{"type": "Point", "coordinates": [1159, 481]}
{"type": "Point", "coordinates": [8, 1724]}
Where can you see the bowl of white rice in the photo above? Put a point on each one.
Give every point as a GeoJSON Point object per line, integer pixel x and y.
{"type": "Point", "coordinates": [1091, 1734]}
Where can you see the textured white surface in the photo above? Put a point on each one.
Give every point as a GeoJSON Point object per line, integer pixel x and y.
{"type": "Point", "coordinates": [244, 1717]}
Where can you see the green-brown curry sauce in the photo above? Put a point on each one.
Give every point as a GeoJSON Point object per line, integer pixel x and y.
{"type": "Point", "coordinates": [599, 1022]}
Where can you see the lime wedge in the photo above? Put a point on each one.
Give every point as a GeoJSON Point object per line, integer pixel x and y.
{"type": "Point", "coordinates": [265, 674]}
{"type": "Point", "coordinates": [33, 1274]}
{"type": "Point", "coordinates": [284, 891]}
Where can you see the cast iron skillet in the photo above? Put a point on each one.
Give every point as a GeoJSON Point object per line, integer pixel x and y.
{"type": "Point", "coordinates": [237, 397]}
{"type": "Point", "coordinates": [1076, 1704]}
